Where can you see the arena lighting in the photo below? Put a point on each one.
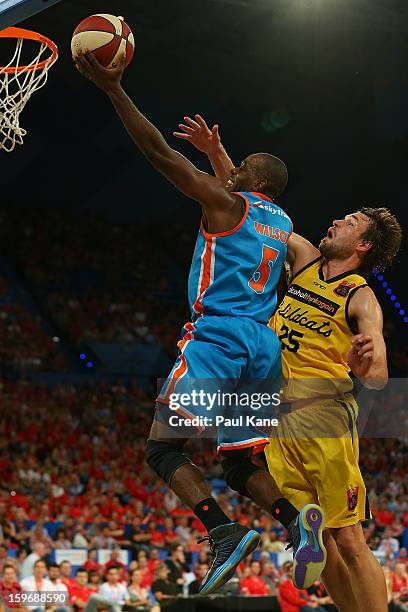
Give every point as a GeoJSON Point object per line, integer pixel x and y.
{"type": "Point", "coordinates": [82, 356]}
{"type": "Point", "coordinates": [89, 364]}
{"type": "Point", "coordinates": [388, 291]}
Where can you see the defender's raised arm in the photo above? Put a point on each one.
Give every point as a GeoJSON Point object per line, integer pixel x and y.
{"type": "Point", "coordinates": [209, 142]}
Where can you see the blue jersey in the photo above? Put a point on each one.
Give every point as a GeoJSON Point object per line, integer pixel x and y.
{"type": "Point", "coordinates": [236, 273]}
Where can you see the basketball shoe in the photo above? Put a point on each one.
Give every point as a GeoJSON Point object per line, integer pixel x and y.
{"type": "Point", "coordinates": [229, 544]}
{"type": "Point", "coordinates": [309, 552]}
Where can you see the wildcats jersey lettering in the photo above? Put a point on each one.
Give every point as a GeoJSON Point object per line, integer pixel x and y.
{"type": "Point", "coordinates": [235, 273]}
{"type": "Point", "coordinates": [313, 326]}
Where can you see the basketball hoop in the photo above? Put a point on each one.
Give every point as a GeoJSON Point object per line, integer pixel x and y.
{"type": "Point", "coordinates": [18, 83]}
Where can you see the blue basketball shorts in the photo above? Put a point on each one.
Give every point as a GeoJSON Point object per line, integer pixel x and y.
{"type": "Point", "coordinates": [226, 380]}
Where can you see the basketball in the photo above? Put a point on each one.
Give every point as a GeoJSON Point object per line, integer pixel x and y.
{"type": "Point", "coordinates": [107, 36]}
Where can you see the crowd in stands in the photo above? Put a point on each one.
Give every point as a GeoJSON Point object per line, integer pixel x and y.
{"type": "Point", "coordinates": [24, 345]}
{"type": "Point", "coordinates": [149, 583]}
{"type": "Point", "coordinates": [65, 484]}
{"type": "Point", "coordinates": [152, 580]}
{"type": "Point", "coordinates": [100, 281]}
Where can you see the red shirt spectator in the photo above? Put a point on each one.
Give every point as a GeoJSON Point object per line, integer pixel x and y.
{"type": "Point", "coordinates": [147, 576]}
{"type": "Point", "coordinates": [399, 578]}
{"type": "Point", "coordinates": [156, 536]}
{"type": "Point", "coordinates": [9, 587]}
{"type": "Point", "coordinates": [79, 592]}
{"type": "Point", "coordinates": [154, 562]}
{"type": "Point", "coordinates": [92, 566]}
{"type": "Point", "coordinates": [65, 569]}
{"type": "Point", "coordinates": [291, 599]}
{"type": "Point", "coordinates": [91, 563]}
{"type": "Point", "coordinates": [384, 517]}
{"type": "Point", "coordinates": [253, 584]}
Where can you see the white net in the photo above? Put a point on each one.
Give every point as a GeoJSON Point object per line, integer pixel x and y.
{"type": "Point", "coordinates": [16, 88]}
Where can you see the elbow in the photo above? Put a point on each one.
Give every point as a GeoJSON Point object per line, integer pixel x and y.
{"type": "Point", "coordinates": [376, 381]}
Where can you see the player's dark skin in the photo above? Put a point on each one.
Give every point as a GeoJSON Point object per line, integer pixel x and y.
{"type": "Point", "coordinates": [222, 211]}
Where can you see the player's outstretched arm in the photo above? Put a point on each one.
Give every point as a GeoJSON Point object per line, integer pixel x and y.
{"type": "Point", "coordinates": [223, 210]}
{"type": "Point", "coordinates": [368, 354]}
{"type": "Point", "coordinates": [300, 253]}
{"type": "Point", "coordinates": [209, 142]}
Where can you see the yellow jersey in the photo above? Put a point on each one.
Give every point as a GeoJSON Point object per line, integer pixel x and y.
{"type": "Point", "coordinates": [315, 331]}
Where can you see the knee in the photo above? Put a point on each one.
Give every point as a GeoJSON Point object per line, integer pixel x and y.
{"type": "Point", "coordinates": [237, 470]}
{"type": "Point", "coordinates": [351, 544]}
{"type": "Point", "coordinates": [164, 458]}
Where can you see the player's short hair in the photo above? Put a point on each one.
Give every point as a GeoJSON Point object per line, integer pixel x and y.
{"type": "Point", "coordinates": [274, 171]}
{"type": "Point", "coordinates": [385, 234]}
{"type": "Point", "coordinates": [9, 566]}
{"type": "Point", "coordinates": [81, 570]}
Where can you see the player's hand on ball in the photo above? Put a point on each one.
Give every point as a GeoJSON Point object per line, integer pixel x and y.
{"type": "Point", "coordinates": [107, 79]}
{"type": "Point", "coordinates": [361, 354]}
{"type": "Point", "coordinates": [199, 134]}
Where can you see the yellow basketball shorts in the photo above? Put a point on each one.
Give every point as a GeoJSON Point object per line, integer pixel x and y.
{"type": "Point", "coordinates": [313, 456]}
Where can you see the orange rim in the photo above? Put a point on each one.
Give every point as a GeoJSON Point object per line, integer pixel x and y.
{"type": "Point", "coordinates": [29, 35]}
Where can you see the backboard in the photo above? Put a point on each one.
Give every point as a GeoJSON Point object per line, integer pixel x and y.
{"type": "Point", "coordinates": [14, 11]}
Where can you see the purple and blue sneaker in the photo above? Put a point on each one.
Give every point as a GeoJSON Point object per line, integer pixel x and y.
{"type": "Point", "coordinates": [229, 545]}
{"type": "Point", "coordinates": [309, 552]}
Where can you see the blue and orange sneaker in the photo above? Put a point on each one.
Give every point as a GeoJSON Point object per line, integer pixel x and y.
{"type": "Point", "coordinates": [309, 552]}
{"type": "Point", "coordinates": [229, 544]}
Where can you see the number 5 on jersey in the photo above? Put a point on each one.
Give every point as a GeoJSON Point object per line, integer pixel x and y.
{"type": "Point", "coordinates": [261, 275]}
